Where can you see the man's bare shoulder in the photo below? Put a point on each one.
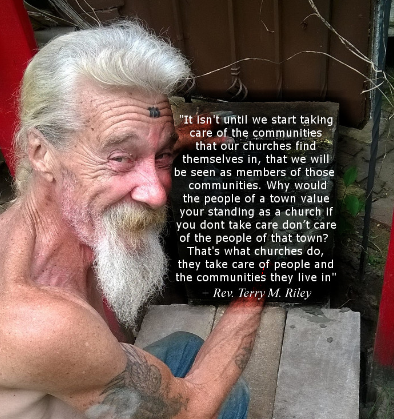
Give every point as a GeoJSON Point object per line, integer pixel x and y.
{"type": "Point", "coordinates": [49, 337]}
{"type": "Point", "coordinates": [64, 350]}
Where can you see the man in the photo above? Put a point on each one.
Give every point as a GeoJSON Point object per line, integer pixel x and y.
{"type": "Point", "coordinates": [94, 153]}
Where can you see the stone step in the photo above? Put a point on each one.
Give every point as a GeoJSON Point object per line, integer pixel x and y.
{"type": "Point", "coordinates": [320, 365]}
{"type": "Point", "coordinates": [318, 362]}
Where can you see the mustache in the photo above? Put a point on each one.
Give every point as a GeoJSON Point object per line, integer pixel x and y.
{"type": "Point", "coordinates": [135, 218]}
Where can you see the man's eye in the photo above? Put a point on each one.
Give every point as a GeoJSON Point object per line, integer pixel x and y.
{"type": "Point", "coordinates": [165, 159]}
{"type": "Point", "coordinates": [121, 162]}
{"type": "Point", "coordinates": [120, 159]}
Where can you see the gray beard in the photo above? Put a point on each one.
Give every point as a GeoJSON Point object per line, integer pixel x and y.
{"type": "Point", "coordinates": [129, 277]}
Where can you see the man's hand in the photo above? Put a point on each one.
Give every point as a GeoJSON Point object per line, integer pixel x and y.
{"type": "Point", "coordinates": [253, 298]}
{"type": "Point", "coordinates": [226, 352]}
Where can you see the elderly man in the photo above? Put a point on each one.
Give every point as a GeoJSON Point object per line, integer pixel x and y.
{"type": "Point", "coordinates": [94, 154]}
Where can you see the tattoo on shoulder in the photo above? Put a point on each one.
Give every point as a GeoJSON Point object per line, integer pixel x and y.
{"type": "Point", "coordinates": [242, 357]}
{"type": "Point", "coordinates": [137, 392]}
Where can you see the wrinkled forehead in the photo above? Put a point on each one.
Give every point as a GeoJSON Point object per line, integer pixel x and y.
{"type": "Point", "coordinates": [98, 103]}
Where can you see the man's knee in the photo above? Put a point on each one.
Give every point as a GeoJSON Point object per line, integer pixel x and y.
{"type": "Point", "coordinates": [188, 339]}
{"type": "Point", "coordinates": [242, 390]}
{"type": "Point", "coordinates": [177, 350]}
{"type": "Point", "coordinates": [237, 402]}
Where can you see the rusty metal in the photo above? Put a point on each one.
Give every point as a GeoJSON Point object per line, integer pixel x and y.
{"type": "Point", "coordinates": [190, 87]}
{"type": "Point", "coordinates": [237, 89]}
{"type": "Point", "coordinates": [326, 47]}
{"type": "Point", "coordinates": [344, 86]}
{"type": "Point", "coordinates": [178, 24]}
{"type": "Point", "coordinates": [278, 55]}
{"type": "Point", "coordinates": [273, 31]}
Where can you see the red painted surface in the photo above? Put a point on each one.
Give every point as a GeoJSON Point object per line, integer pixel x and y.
{"type": "Point", "coordinates": [384, 341]}
{"type": "Point", "coordinates": [17, 47]}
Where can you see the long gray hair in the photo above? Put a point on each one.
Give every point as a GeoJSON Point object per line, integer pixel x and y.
{"type": "Point", "coordinates": [121, 55]}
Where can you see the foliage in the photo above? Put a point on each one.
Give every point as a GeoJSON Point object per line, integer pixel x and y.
{"type": "Point", "coordinates": [350, 176]}
{"type": "Point", "coordinates": [350, 205]}
{"type": "Point", "coordinates": [375, 260]}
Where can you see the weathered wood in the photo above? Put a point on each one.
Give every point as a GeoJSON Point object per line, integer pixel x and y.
{"type": "Point", "coordinates": [319, 368]}
{"type": "Point", "coordinates": [100, 15]}
{"type": "Point", "coordinates": [89, 5]}
{"type": "Point", "coordinates": [262, 369]}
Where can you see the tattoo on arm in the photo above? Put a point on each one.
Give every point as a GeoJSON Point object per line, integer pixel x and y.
{"type": "Point", "coordinates": [242, 357]}
{"type": "Point", "coordinates": [137, 392]}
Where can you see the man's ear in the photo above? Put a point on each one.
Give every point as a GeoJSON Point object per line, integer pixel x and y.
{"type": "Point", "coordinates": [40, 154]}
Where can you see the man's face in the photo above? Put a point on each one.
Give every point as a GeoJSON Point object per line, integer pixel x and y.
{"type": "Point", "coordinates": [113, 187]}
{"type": "Point", "coordinates": [122, 155]}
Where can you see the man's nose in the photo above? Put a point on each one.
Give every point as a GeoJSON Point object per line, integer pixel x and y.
{"type": "Point", "coordinates": [149, 189]}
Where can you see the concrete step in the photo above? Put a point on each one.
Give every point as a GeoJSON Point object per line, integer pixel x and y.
{"type": "Point", "coordinates": [320, 365]}
{"type": "Point", "coordinates": [318, 361]}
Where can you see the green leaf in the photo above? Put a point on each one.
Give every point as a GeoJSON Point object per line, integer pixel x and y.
{"type": "Point", "coordinates": [352, 204]}
{"type": "Point", "coordinates": [350, 176]}
{"type": "Point", "coordinates": [361, 205]}
{"type": "Point", "coordinates": [374, 260]}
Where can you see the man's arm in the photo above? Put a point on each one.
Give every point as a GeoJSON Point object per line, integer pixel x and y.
{"type": "Point", "coordinates": [217, 367]}
{"type": "Point", "coordinates": [144, 389]}
{"type": "Point", "coordinates": [72, 355]}
{"type": "Point", "coordinates": [226, 352]}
